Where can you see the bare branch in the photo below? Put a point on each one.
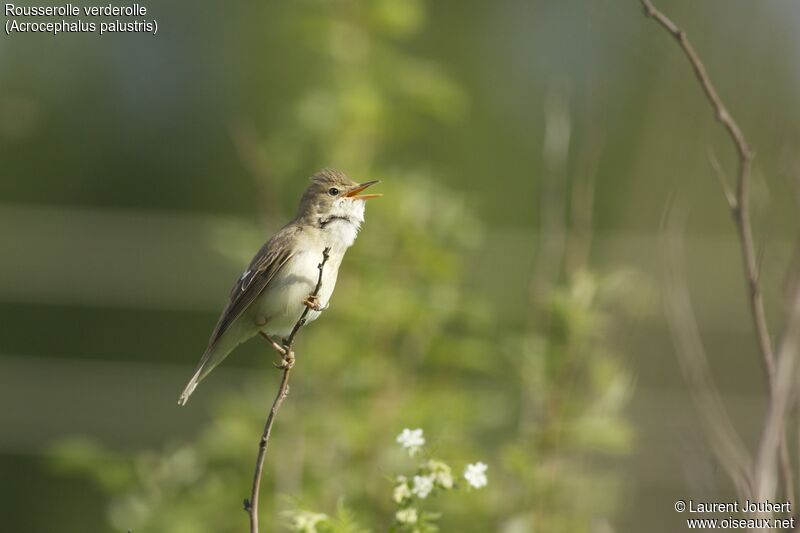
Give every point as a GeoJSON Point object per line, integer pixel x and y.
{"type": "Point", "coordinates": [782, 398]}
{"type": "Point", "coordinates": [251, 504]}
{"type": "Point", "coordinates": [741, 213]}
{"type": "Point", "coordinates": [741, 210]}
{"type": "Point", "coordinates": [710, 91]}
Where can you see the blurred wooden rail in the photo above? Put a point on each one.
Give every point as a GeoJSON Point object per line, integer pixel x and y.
{"type": "Point", "coordinates": [60, 399]}
{"type": "Point", "coordinates": [152, 260]}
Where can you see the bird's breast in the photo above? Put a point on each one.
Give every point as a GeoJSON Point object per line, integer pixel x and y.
{"type": "Point", "coordinates": [339, 233]}
{"type": "Point", "coordinates": [281, 304]}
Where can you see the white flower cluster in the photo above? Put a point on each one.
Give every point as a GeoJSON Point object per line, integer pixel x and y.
{"type": "Point", "coordinates": [306, 521]}
{"type": "Point", "coordinates": [412, 440]}
{"type": "Point", "coordinates": [402, 491]}
{"type": "Point", "coordinates": [423, 485]}
{"type": "Point", "coordinates": [441, 474]}
{"type": "Point", "coordinates": [475, 474]}
{"type": "Point", "coordinates": [430, 476]}
{"type": "Point", "coordinates": [407, 516]}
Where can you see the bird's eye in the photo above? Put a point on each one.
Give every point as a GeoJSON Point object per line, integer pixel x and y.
{"type": "Point", "coordinates": [333, 191]}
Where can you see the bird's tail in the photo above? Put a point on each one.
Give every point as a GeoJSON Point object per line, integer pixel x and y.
{"type": "Point", "coordinates": [198, 375]}
{"type": "Point", "coordinates": [213, 356]}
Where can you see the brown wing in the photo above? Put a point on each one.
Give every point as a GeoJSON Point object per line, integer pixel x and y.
{"type": "Point", "coordinates": [263, 268]}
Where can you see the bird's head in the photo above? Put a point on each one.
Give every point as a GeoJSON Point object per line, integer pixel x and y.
{"type": "Point", "coordinates": [333, 196]}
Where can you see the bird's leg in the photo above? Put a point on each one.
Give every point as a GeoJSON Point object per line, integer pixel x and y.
{"type": "Point", "coordinates": [312, 302]}
{"type": "Point", "coordinates": [287, 355]}
{"type": "Point", "coordinates": [277, 347]}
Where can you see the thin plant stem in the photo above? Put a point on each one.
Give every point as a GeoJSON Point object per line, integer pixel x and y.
{"type": "Point", "coordinates": [740, 209]}
{"type": "Point", "coordinates": [251, 504]}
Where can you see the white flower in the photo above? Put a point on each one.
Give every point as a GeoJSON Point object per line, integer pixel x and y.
{"type": "Point", "coordinates": [475, 475]}
{"type": "Point", "coordinates": [412, 440]}
{"type": "Point", "coordinates": [401, 491]}
{"type": "Point", "coordinates": [407, 516]}
{"type": "Point", "coordinates": [306, 521]}
{"type": "Point", "coordinates": [423, 485]}
{"type": "Point", "coordinates": [441, 473]}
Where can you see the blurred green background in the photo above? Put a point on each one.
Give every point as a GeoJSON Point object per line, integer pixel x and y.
{"type": "Point", "coordinates": [503, 295]}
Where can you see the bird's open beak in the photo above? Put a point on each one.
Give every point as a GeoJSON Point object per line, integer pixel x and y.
{"type": "Point", "coordinates": [353, 193]}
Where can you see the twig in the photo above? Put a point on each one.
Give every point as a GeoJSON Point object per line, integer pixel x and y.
{"type": "Point", "coordinates": [251, 504]}
{"type": "Point", "coordinates": [785, 390]}
{"type": "Point", "coordinates": [740, 209]}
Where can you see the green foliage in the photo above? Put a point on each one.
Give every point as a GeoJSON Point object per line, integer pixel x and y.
{"type": "Point", "coordinates": [573, 392]}
{"type": "Point", "coordinates": [406, 342]}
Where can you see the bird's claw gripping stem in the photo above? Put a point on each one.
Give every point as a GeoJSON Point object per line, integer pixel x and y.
{"type": "Point", "coordinates": [312, 302]}
{"type": "Point", "coordinates": [287, 361]}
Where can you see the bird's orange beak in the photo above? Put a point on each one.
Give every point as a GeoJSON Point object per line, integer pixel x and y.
{"type": "Point", "coordinates": [353, 193]}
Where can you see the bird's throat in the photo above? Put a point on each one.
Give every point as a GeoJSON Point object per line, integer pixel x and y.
{"type": "Point", "coordinates": [339, 231]}
{"type": "Point", "coordinates": [334, 218]}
